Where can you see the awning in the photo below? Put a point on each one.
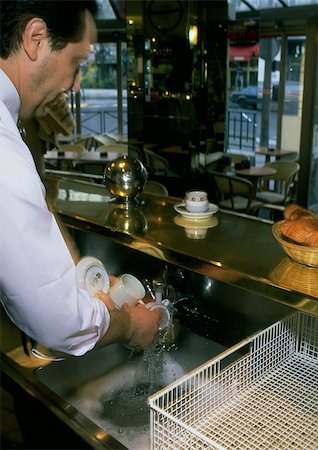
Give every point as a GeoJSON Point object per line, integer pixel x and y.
{"type": "Point", "coordinates": [244, 52]}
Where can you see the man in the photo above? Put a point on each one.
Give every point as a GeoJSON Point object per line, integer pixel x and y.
{"type": "Point", "coordinates": [43, 44]}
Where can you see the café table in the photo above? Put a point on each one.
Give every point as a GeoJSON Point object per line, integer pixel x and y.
{"type": "Point", "coordinates": [276, 152]}
{"type": "Point", "coordinates": [69, 161]}
{"type": "Point", "coordinates": [255, 173]}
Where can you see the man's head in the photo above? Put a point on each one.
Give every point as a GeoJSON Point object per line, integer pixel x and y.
{"type": "Point", "coordinates": [65, 21]}
{"type": "Point", "coordinates": [42, 45]}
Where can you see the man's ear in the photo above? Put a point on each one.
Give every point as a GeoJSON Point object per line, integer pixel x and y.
{"type": "Point", "coordinates": [33, 36]}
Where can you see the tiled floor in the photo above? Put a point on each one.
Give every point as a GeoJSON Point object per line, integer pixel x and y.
{"type": "Point", "coordinates": [10, 432]}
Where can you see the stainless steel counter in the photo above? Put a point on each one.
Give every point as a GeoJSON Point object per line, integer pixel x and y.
{"type": "Point", "coordinates": [236, 249]}
{"type": "Point", "coordinates": [235, 281]}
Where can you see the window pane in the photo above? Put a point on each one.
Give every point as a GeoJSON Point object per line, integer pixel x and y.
{"type": "Point", "coordinates": [99, 96]}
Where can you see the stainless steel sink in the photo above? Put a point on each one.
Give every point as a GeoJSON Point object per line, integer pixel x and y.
{"type": "Point", "coordinates": [110, 386]}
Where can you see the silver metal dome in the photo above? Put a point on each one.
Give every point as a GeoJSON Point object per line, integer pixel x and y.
{"type": "Point", "coordinates": [125, 178]}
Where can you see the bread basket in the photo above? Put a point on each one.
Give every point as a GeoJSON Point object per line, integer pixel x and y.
{"type": "Point", "coordinates": [299, 253]}
{"type": "Point", "coordinates": [297, 277]}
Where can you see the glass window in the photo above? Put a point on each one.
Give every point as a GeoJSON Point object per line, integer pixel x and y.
{"type": "Point", "coordinates": [313, 177]}
{"type": "Point", "coordinates": [99, 91]}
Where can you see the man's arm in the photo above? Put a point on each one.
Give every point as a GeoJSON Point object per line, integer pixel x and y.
{"type": "Point", "coordinates": [137, 326]}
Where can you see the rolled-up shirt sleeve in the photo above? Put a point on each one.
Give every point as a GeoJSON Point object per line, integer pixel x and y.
{"type": "Point", "coordinates": [38, 276]}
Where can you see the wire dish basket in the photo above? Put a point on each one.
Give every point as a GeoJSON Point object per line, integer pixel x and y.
{"type": "Point", "coordinates": [266, 399]}
{"type": "Point", "coordinates": [300, 253]}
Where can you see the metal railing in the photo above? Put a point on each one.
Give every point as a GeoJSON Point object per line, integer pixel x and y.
{"type": "Point", "coordinates": [241, 128]}
{"type": "Point", "coordinates": [99, 121]}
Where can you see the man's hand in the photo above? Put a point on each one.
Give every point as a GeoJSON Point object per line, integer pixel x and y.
{"type": "Point", "coordinates": [137, 326]}
{"type": "Point", "coordinates": [105, 298]}
{"type": "Point", "coordinates": [144, 325]}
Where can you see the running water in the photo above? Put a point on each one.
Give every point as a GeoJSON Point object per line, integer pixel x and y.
{"type": "Point", "coordinates": [128, 407]}
{"type": "Point", "coordinates": [123, 404]}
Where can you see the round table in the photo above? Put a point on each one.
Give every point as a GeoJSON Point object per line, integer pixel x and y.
{"type": "Point", "coordinates": [255, 173]}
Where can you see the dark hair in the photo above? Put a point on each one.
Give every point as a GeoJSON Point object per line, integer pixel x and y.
{"type": "Point", "coordinates": [65, 21]}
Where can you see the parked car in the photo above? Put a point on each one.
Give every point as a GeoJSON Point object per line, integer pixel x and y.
{"type": "Point", "coordinates": [292, 96]}
{"type": "Point", "coordinates": [248, 97]}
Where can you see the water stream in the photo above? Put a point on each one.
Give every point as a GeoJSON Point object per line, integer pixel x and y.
{"type": "Point", "coordinates": [124, 408]}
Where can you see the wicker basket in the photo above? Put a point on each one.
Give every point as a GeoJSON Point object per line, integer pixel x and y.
{"type": "Point", "coordinates": [299, 253]}
{"type": "Point", "coordinates": [296, 276]}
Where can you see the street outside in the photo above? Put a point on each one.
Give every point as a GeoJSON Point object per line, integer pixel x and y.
{"type": "Point", "coordinates": [99, 114]}
{"type": "Point", "coordinates": [99, 111]}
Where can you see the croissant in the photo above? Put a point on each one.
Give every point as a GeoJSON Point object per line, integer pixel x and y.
{"type": "Point", "coordinates": [302, 231]}
{"type": "Point", "coordinates": [294, 211]}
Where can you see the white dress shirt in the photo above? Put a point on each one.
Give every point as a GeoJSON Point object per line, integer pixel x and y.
{"type": "Point", "coordinates": [37, 274]}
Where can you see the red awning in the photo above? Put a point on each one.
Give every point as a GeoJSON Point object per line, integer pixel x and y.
{"type": "Point", "coordinates": [243, 53]}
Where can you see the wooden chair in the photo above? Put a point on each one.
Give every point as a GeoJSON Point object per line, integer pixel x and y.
{"type": "Point", "coordinates": [277, 189]}
{"type": "Point", "coordinates": [235, 193]}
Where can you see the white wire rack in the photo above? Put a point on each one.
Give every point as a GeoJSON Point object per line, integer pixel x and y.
{"type": "Point", "coordinates": [266, 399]}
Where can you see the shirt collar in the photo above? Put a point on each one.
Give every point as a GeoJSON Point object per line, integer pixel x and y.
{"type": "Point", "coordinates": [9, 95]}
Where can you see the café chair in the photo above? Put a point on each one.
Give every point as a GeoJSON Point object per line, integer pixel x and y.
{"type": "Point", "coordinates": [103, 139]}
{"type": "Point", "coordinates": [114, 149]}
{"type": "Point", "coordinates": [136, 153]}
{"type": "Point", "coordinates": [154, 187]}
{"type": "Point", "coordinates": [67, 154]}
{"type": "Point", "coordinates": [157, 164]}
{"type": "Point", "coordinates": [212, 162]}
{"type": "Point", "coordinates": [240, 159]}
{"type": "Point", "coordinates": [74, 148]}
{"type": "Point", "coordinates": [274, 213]}
{"type": "Point", "coordinates": [87, 142]}
{"type": "Point", "coordinates": [292, 156]}
{"type": "Point", "coordinates": [234, 193]}
{"type": "Point", "coordinates": [92, 167]}
{"type": "Point", "coordinates": [218, 135]}
{"type": "Point", "coordinates": [277, 189]}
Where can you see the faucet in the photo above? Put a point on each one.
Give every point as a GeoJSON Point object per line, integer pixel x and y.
{"type": "Point", "coordinates": [164, 292]}
{"type": "Point", "coordinates": [159, 284]}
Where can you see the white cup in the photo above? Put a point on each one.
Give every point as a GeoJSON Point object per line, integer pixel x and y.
{"type": "Point", "coordinates": [165, 318]}
{"type": "Point", "coordinates": [128, 289]}
{"type": "Point", "coordinates": [196, 233]}
{"type": "Point", "coordinates": [196, 201]}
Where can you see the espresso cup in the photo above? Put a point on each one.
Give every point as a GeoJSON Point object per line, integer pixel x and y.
{"type": "Point", "coordinates": [165, 317]}
{"type": "Point", "coordinates": [127, 289]}
{"type": "Point", "coordinates": [196, 201]}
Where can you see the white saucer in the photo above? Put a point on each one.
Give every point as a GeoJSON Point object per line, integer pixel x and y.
{"type": "Point", "coordinates": [196, 229]}
{"type": "Point", "coordinates": [92, 275]}
{"type": "Point", "coordinates": [181, 209]}
{"type": "Point", "coordinates": [209, 222]}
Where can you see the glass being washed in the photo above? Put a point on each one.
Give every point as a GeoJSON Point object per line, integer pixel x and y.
{"type": "Point", "coordinates": [196, 201]}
